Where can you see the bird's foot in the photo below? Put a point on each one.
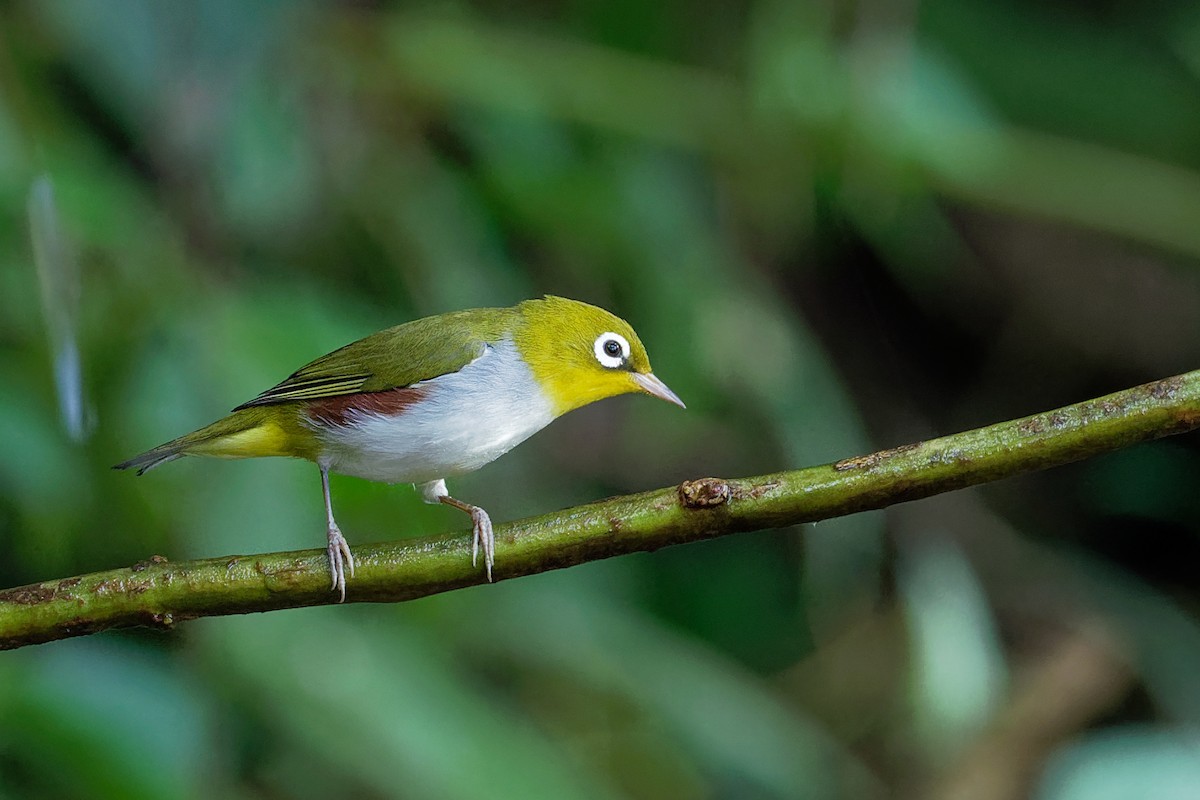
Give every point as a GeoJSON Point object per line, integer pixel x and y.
{"type": "Point", "coordinates": [339, 558]}
{"type": "Point", "coordinates": [481, 524]}
{"type": "Point", "coordinates": [484, 538]}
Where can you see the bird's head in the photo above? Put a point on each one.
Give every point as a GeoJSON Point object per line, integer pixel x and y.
{"type": "Point", "coordinates": [580, 354]}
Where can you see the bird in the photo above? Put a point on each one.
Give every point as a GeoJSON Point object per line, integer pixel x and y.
{"type": "Point", "coordinates": [431, 399]}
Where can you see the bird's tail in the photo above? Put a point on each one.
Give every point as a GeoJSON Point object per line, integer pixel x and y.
{"type": "Point", "coordinates": [152, 458]}
{"type": "Point", "coordinates": [243, 434]}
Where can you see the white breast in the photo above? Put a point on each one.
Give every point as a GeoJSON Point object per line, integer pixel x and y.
{"type": "Point", "coordinates": [465, 420]}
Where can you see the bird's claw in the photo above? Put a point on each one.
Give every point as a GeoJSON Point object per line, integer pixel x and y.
{"type": "Point", "coordinates": [339, 558]}
{"type": "Point", "coordinates": [481, 526]}
{"type": "Point", "coordinates": [485, 537]}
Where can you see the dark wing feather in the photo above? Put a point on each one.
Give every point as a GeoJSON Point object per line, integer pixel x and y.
{"type": "Point", "coordinates": [401, 356]}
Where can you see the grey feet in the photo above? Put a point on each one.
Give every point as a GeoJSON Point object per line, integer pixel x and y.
{"type": "Point", "coordinates": [339, 559]}
{"type": "Point", "coordinates": [339, 550]}
{"type": "Point", "coordinates": [484, 539]}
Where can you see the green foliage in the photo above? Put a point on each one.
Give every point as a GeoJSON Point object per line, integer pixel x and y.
{"type": "Point", "coordinates": [835, 227]}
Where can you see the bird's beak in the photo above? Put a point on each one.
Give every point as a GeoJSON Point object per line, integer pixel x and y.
{"type": "Point", "coordinates": [652, 385]}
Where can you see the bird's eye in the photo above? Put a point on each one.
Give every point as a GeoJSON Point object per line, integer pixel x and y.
{"type": "Point", "coordinates": [611, 350]}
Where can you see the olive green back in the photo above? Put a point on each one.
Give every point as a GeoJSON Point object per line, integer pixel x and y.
{"type": "Point", "coordinates": [399, 356]}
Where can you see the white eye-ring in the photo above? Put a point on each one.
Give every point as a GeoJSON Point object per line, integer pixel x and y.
{"type": "Point", "coordinates": [611, 349]}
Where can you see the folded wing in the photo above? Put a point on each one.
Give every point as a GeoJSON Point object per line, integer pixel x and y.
{"type": "Point", "coordinates": [394, 358]}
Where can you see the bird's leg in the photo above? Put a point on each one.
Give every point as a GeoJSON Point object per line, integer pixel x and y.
{"type": "Point", "coordinates": [339, 549]}
{"type": "Point", "coordinates": [481, 523]}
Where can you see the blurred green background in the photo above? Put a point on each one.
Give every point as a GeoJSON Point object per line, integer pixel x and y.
{"type": "Point", "coordinates": [837, 226]}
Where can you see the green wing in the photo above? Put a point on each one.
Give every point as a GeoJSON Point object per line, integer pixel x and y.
{"type": "Point", "coordinates": [400, 356]}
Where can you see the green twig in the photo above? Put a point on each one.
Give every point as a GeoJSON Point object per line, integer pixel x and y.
{"type": "Point", "coordinates": [161, 593]}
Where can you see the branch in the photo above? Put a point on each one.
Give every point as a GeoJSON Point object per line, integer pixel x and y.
{"type": "Point", "coordinates": [159, 593]}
